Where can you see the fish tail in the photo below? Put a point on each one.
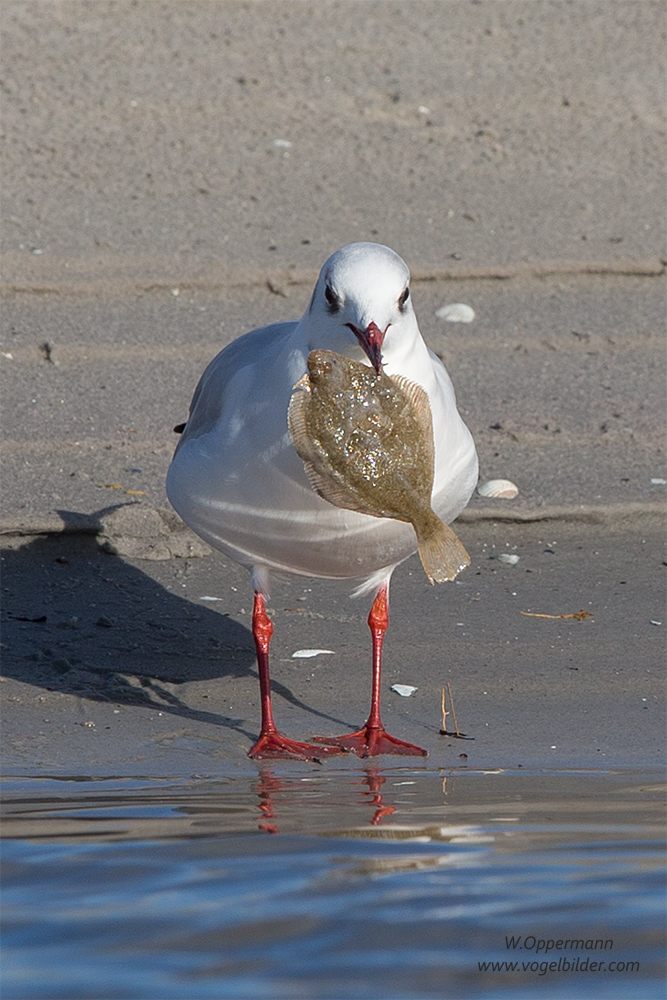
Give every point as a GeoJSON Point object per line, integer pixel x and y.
{"type": "Point", "coordinates": [441, 552]}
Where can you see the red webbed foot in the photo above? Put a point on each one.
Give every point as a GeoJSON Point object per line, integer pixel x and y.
{"type": "Point", "coordinates": [371, 741]}
{"type": "Point", "coordinates": [274, 746]}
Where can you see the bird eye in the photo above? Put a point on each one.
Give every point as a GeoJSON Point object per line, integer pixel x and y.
{"type": "Point", "coordinates": [405, 295]}
{"type": "Point", "coordinates": [332, 298]}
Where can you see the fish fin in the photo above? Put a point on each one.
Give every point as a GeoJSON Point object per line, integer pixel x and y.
{"type": "Point", "coordinates": [441, 552]}
{"type": "Point", "coordinates": [303, 383]}
{"type": "Point", "coordinates": [296, 420]}
{"type": "Point", "coordinates": [422, 409]}
{"type": "Point", "coordinates": [335, 491]}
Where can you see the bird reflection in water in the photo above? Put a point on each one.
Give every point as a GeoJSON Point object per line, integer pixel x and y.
{"type": "Point", "coordinates": [269, 786]}
{"type": "Point", "coordinates": [374, 782]}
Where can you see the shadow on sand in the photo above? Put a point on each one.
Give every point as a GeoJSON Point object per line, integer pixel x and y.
{"type": "Point", "coordinates": [80, 621]}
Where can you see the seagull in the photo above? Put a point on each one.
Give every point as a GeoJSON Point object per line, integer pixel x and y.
{"type": "Point", "coordinates": [238, 482]}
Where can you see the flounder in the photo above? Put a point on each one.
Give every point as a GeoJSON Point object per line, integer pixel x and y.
{"type": "Point", "coordinates": [366, 441]}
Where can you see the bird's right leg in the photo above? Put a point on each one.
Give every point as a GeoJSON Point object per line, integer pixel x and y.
{"type": "Point", "coordinates": [373, 738]}
{"type": "Point", "coordinates": [271, 744]}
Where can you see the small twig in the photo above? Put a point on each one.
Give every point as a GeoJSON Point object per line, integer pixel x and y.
{"type": "Point", "coordinates": [457, 735]}
{"type": "Point", "coordinates": [118, 486]}
{"type": "Point", "coordinates": [451, 702]}
{"type": "Point", "coordinates": [579, 615]}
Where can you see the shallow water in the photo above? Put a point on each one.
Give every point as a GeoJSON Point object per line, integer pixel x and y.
{"type": "Point", "coordinates": [380, 882]}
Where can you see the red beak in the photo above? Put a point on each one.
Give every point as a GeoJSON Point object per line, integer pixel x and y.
{"type": "Point", "coordinates": [371, 341]}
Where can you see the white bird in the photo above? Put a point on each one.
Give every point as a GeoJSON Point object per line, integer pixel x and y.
{"type": "Point", "coordinates": [237, 480]}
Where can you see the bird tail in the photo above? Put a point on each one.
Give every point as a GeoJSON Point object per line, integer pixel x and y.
{"type": "Point", "coordinates": [442, 554]}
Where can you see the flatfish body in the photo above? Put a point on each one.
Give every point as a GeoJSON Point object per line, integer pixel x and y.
{"type": "Point", "coordinates": [366, 441]}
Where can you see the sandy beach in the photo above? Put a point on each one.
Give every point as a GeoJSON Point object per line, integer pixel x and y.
{"type": "Point", "coordinates": [175, 176]}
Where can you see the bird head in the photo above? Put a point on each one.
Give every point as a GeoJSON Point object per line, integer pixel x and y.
{"type": "Point", "coordinates": [361, 304]}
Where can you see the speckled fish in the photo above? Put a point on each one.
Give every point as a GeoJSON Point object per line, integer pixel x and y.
{"type": "Point", "coordinates": [366, 441]}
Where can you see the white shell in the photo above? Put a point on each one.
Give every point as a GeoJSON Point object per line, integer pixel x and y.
{"type": "Point", "coordinates": [304, 654]}
{"type": "Point", "coordinates": [456, 312]}
{"type": "Point", "coordinates": [498, 488]}
{"type": "Point", "coordinates": [405, 690]}
{"type": "Point", "coordinates": [509, 558]}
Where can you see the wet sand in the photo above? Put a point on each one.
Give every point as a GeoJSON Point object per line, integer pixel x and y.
{"type": "Point", "coordinates": [123, 666]}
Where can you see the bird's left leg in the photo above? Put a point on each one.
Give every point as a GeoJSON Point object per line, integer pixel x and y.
{"type": "Point", "coordinates": [271, 743]}
{"type": "Point", "coordinates": [373, 738]}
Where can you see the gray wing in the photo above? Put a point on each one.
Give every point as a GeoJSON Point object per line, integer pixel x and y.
{"type": "Point", "coordinates": [209, 397]}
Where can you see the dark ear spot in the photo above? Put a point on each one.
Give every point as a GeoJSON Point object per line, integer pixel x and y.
{"type": "Point", "coordinates": [179, 428]}
{"type": "Point", "coordinates": [332, 299]}
{"type": "Point", "coordinates": [403, 298]}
